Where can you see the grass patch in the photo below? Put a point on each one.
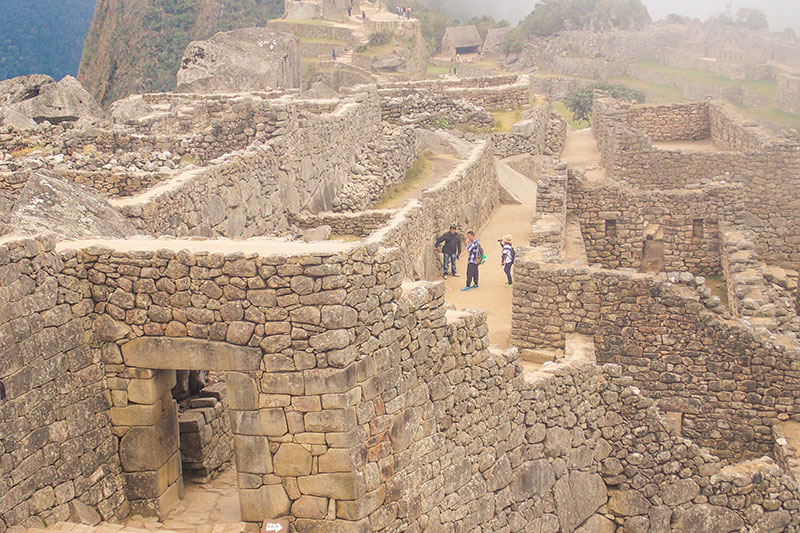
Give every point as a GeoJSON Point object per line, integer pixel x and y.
{"type": "Point", "coordinates": [323, 40]}
{"type": "Point", "coordinates": [718, 288]}
{"type": "Point", "coordinates": [378, 52]}
{"type": "Point", "coordinates": [657, 93]}
{"type": "Point", "coordinates": [418, 172]}
{"type": "Point", "coordinates": [771, 114]}
{"type": "Point", "coordinates": [766, 88]}
{"type": "Point", "coordinates": [22, 152]}
{"type": "Point", "coordinates": [437, 70]}
{"type": "Point", "coordinates": [562, 110]}
{"type": "Point", "coordinates": [188, 159]}
{"type": "Point", "coordinates": [505, 120]}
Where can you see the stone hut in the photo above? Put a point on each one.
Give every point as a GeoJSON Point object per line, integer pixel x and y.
{"type": "Point", "coordinates": [461, 40]}
{"type": "Point", "coordinates": [495, 37]}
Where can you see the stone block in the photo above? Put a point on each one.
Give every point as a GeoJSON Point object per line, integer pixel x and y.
{"type": "Point", "coordinates": [269, 501]}
{"type": "Point", "coordinates": [149, 447]}
{"type": "Point", "coordinates": [189, 354]}
{"type": "Point", "coordinates": [305, 525]}
{"type": "Point", "coordinates": [628, 503]}
{"type": "Point", "coordinates": [252, 454]}
{"type": "Point", "coordinates": [310, 507]}
{"type": "Point", "coordinates": [137, 415]}
{"type": "Point", "coordinates": [191, 422]}
{"type": "Point", "coordinates": [578, 495]}
{"type": "Point", "coordinates": [146, 485]}
{"type": "Point", "coordinates": [149, 391]}
{"type": "Point", "coordinates": [355, 510]}
{"type": "Point", "coordinates": [704, 517]}
{"type": "Point", "coordinates": [242, 391]}
{"type": "Point", "coordinates": [330, 380]}
{"type": "Point", "coordinates": [331, 420]}
{"type": "Point", "coordinates": [292, 460]}
{"type": "Point", "coordinates": [283, 383]}
{"type": "Point", "coordinates": [340, 460]}
{"type": "Point", "coordinates": [339, 486]}
{"type": "Point", "coordinates": [80, 513]}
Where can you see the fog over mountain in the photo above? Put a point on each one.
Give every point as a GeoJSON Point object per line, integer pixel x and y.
{"type": "Point", "coordinates": [781, 13]}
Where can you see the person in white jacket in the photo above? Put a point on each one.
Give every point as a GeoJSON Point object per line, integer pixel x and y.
{"type": "Point", "coordinates": [507, 257]}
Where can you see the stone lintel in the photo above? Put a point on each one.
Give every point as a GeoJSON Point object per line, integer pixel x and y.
{"type": "Point", "coordinates": [189, 354]}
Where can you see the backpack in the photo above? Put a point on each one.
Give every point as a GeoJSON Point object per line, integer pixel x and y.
{"type": "Point", "coordinates": [481, 255]}
{"type": "Point", "coordinates": [513, 254]}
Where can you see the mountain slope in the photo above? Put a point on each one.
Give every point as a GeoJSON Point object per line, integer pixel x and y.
{"type": "Point", "coordinates": [136, 47]}
{"type": "Point", "coordinates": [42, 36]}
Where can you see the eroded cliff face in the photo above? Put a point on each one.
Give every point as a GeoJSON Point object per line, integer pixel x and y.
{"type": "Point", "coordinates": [136, 47]}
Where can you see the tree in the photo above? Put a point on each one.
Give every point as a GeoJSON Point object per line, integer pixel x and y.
{"type": "Point", "coordinates": [752, 18]}
{"type": "Point", "coordinates": [579, 100]}
{"type": "Point", "coordinates": [552, 16]}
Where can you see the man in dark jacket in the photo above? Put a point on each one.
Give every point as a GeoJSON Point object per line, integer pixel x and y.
{"type": "Point", "coordinates": [451, 250]}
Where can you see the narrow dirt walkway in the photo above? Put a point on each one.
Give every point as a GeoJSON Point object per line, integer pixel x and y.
{"type": "Point", "coordinates": [492, 296]}
{"type": "Point", "coordinates": [581, 150]}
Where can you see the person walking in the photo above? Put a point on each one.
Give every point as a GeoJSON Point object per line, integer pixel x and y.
{"type": "Point", "coordinates": [399, 12]}
{"type": "Point", "coordinates": [474, 258]}
{"type": "Point", "coordinates": [408, 13]}
{"type": "Point", "coordinates": [333, 53]}
{"type": "Point", "coordinates": [507, 257]}
{"type": "Point", "coordinates": [349, 9]}
{"type": "Point", "coordinates": [451, 250]}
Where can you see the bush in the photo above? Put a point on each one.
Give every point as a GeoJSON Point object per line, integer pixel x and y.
{"type": "Point", "coordinates": [380, 38]}
{"type": "Point", "coordinates": [579, 101]}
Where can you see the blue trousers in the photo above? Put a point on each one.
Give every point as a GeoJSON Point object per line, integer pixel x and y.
{"type": "Point", "coordinates": [451, 259]}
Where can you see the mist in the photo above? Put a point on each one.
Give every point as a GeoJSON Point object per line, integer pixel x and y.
{"type": "Point", "coordinates": [781, 13]}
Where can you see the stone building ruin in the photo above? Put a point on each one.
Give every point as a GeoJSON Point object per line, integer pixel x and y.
{"type": "Point", "coordinates": [356, 397]}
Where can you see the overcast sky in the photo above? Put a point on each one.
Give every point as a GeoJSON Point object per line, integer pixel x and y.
{"type": "Point", "coordinates": [781, 13]}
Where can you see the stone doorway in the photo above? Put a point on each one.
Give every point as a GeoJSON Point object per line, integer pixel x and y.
{"type": "Point", "coordinates": [653, 249]}
{"type": "Point", "coordinates": [148, 425]}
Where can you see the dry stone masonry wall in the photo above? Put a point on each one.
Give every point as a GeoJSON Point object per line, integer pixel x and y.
{"type": "Point", "coordinates": [764, 164]}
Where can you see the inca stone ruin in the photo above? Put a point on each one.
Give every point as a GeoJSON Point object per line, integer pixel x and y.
{"type": "Point", "coordinates": [224, 294]}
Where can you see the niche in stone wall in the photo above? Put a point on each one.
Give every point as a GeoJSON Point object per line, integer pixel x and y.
{"type": "Point", "coordinates": [611, 229]}
{"type": "Point", "coordinates": [698, 229]}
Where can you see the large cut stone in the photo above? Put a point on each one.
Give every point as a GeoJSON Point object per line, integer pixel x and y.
{"type": "Point", "coordinates": [269, 501]}
{"type": "Point", "coordinates": [41, 98]}
{"type": "Point", "coordinates": [149, 447]}
{"type": "Point", "coordinates": [292, 460]}
{"type": "Point", "coordinates": [149, 391]}
{"type": "Point", "coordinates": [628, 503]}
{"type": "Point", "coordinates": [49, 203]}
{"type": "Point", "coordinates": [704, 517]}
{"type": "Point", "coordinates": [338, 486]}
{"type": "Point", "coordinates": [578, 495]}
{"type": "Point", "coordinates": [252, 454]}
{"type": "Point", "coordinates": [534, 478]}
{"type": "Point", "coordinates": [248, 59]}
{"type": "Point", "coordinates": [189, 354]}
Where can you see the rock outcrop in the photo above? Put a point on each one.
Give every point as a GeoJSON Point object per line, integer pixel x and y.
{"type": "Point", "coordinates": [250, 59]}
{"type": "Point", "coordinates": [50, 204]}
{"type": "Point", "coordinates": [42, 99]}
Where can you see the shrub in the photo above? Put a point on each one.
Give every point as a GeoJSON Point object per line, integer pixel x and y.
{"type": "Point", "coordinates": [579, 101]}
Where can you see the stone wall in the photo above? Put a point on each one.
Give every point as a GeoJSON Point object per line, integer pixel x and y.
{"type": "Point", "coordinates": [428, 110]}
{"type": "Point", "coordinates": [788, 96]}
{"type": "Point", "coordinates": [667, 335]}
{"type": "Point", "coordinates": [205, 433]}
{"type": "Point", "coordinates": [616, 220]}
{"type": "Point", "coordinates": [382, 411]}
{"type": "Point", "coordinates": [491, 92]}
{"type": "Point", "coordinates": [693, 90]}
{"type": "Point", "coordinates": [57, 448]}
{"type": "Point", "coordinates": [302, 169]}
{"type": "Point", "coordinates": [361, 224]}
{"type": "Point", "coordinates": [672, 122]}
{"type": "Point", "coordinates": [753, 153]}
{"type": "Point", "coordinates": [466, 197]}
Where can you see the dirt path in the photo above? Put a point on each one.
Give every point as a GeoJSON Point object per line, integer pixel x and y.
{"type": "Point", "coordinates": [440, 167]}
{"type": "Point", "coordinates": [492, 296]}
{"type": "Point", "coordinates": [581, 150]}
